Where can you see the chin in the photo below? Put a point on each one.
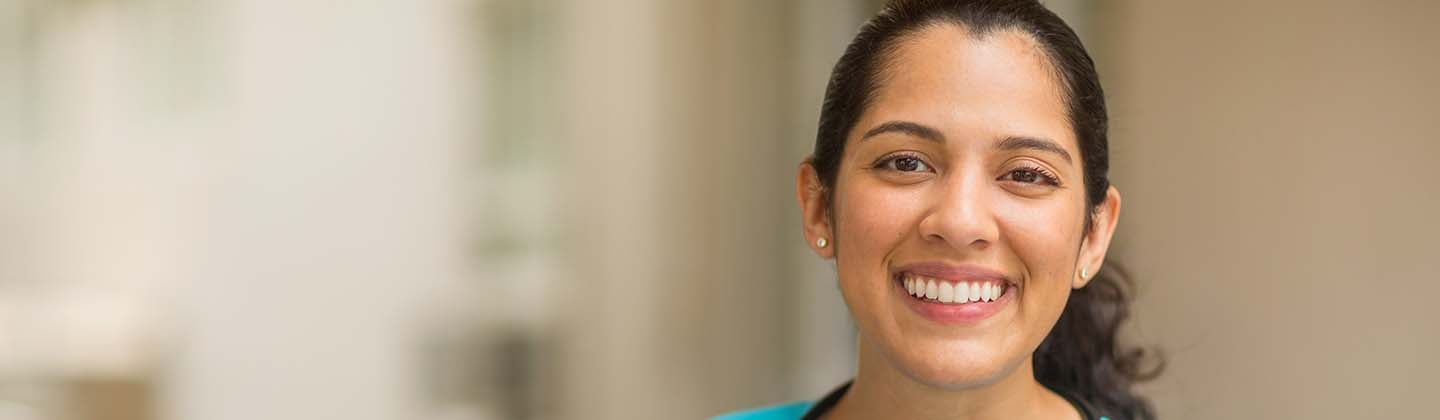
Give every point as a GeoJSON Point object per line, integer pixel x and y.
{"type": "Point", "coordinates": [955, 366]}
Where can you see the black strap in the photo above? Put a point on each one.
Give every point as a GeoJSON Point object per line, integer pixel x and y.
{"type": "Point", "coordinates": [825, 404]}
{"type": "Point", "coordinates": [1087, 411]}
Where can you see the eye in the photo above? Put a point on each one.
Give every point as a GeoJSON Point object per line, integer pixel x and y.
{"type": "Point", "coordinates": [903, 163]}
{"type": "Point", "coordinates": [1033, 175]}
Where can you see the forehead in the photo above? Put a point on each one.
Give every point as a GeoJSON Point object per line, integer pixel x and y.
{"type": "Point", "coordinates": [987, 87]}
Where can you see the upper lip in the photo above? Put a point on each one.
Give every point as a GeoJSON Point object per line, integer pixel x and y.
{"type": "Point", "coordinates": [952, 272]}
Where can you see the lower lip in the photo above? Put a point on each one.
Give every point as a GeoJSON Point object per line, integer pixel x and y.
{"type": "Point", "coordinates": [956, 314]}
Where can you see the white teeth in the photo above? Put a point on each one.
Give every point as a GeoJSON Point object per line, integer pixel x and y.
{"type": "Point", "coordinates": [944, 292]}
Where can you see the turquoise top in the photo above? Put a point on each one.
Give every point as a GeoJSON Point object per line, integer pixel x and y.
{"type": "Point", "coordinates": [791, 411]}
{"type": "Point", "coordinates": [798, 410]}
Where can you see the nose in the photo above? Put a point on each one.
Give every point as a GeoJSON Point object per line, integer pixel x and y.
{"type": "Point", "coordinates": [962, 215]}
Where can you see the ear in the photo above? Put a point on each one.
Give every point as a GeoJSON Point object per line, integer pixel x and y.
{"type": "Point", "coordinates": [814, 210]}
{"type": "Point", "coordinates": [1097, 242]}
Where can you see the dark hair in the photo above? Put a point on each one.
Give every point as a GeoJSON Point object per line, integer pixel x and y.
{"type": "Point", "coordinates": [1082, 353]}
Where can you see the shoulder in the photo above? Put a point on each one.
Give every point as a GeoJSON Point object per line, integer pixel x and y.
{"type": "Point", "coordinates": [791, 411]}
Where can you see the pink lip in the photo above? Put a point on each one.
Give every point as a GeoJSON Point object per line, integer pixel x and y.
{"type": "Point", "coordinates": [952, 272]}
{"type": "Point", "coordinates": [952, 314]}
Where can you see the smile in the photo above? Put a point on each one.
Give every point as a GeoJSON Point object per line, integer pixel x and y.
{"type": "Point", "coordinates": [954, 294]}
{"type": "Point", "coordinates": [946, 292]}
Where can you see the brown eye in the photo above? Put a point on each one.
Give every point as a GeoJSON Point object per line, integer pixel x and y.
{"type": "Point", "coordinates": [1024, 176]}
{"type": "Point", "coordinates": [1033, 176]}
{"type": "Point", "coordinates": [904, 163]}
{"type": "Point", "coordinates": [908, 164]}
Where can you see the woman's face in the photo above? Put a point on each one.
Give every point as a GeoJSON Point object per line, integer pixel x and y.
{"type": "Point", "coordinates": [963, 172]}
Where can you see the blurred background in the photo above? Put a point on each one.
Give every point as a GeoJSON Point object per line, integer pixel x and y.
{"type": "Point", "coordinates": [555, 209]}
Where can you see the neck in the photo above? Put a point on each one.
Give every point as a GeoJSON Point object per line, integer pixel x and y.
{"type": "Point", "coordinates": [882, 391]}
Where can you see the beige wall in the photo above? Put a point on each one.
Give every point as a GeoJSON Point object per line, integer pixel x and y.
{"type": "Point", "coordinates": [1277, 163]}
{"type": "Point", "coordinates": [695, 294]}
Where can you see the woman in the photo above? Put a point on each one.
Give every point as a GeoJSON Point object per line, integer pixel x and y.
{"type": "Point", "coordinates": [959, 183]}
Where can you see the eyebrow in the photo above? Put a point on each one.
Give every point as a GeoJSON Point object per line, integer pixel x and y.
{"type": "Point", "coordinates": [906, 127]}
{"type": "Point", "coordinates": [1034, 143]}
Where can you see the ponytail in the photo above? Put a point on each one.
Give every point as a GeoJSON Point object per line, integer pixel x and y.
{"type": "Point", "coordinates": [1083, 354]}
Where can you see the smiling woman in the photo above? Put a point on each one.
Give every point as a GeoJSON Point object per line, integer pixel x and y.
{"type": "Point", "coordinates": [959, 182]}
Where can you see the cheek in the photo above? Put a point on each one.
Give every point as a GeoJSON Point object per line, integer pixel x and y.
{"type": "Point", "coordinates": [1045, 236]}
{"type": "Point", "coordinates": [871, 223]}
{"type": "Point", "coordinates": [873, 219]}
{"type": "Point", "coordinates": [1047, 224]}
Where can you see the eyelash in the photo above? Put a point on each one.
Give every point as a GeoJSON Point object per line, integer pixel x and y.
{"type": "Point", "coordinates": [1046, 177]}
{"type": "Point", "coordinates": [885, 162]}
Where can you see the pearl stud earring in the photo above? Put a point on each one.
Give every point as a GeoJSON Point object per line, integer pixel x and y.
{"type": "Point", "coordinates": [821, 242]}
{"type": "Point", "coordinates": [1085, 272]}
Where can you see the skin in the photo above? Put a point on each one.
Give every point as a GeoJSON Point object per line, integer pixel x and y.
{"type": "Point", "coordinates": [961, 199]}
